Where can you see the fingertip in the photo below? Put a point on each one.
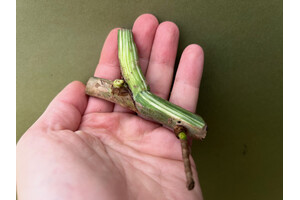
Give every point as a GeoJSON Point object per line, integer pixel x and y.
{"type": "Point", "coordinates": [143, 30]}
{"type": "Point", "coordinates": [188, 77]}
{"type": "Point", "coordinates": [169, 27]}
{"type": "Point", "coordinates": [191, 64]}
{"type": "Point", "coordinates": [74, 94]}
{"type": "Point", "coordinates": [163, 54]}
{"type": "Point", "coordinates": [109, 50]}
{"type": "Point", "coordinates": [111, 36]}
{"type": "Point", "coordinates": [195, 49]}
{"type": "Point", "coordinates": [77, 84]}
{"type": "Point", "coordinates": [112, 32]}
{"type": "Point", "coordinates": [74, 86]}
{"type": "Point", "coordinates": [165, 44]}
{"type": "Point", "coordinates": [147, 18]}
{"type": "Point", "coordinates": [66, 109]}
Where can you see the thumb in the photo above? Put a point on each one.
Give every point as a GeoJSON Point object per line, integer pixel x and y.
{"type": "Point", "coordinates": [66, 109]}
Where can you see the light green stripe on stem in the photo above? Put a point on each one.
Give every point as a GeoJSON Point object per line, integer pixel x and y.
{"type": "Point", "coordinates": [130, 68]}
{"type": "Point", "coordinates": [157, 109]}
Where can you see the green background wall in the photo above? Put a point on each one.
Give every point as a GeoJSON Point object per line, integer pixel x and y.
{"type": "Point", "coordinates": [60, 41]}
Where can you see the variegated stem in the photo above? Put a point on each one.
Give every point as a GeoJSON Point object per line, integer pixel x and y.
{"type": "Point", "coordinates": [128, 58]}
{"type": "Point", "coordinates": [155, 108]}
{"type": "Point", "coordinates": [149, 105]}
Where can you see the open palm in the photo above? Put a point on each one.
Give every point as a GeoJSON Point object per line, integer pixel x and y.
{"type": "Point", "coordinates": [88, 148]}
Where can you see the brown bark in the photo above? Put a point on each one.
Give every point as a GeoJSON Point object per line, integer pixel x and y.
{"type": "Point", "coordinates": [103, 88]}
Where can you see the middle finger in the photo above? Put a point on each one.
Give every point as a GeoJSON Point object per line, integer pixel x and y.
{"type": "Point", "coordinates": [161, 65]}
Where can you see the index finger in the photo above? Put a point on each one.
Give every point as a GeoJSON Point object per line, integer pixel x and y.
{"type": "Point", "coordinates": [107, 68]}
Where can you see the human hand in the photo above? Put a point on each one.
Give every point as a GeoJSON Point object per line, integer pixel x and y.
{"type": "Point", "coordinates": [88, 148]}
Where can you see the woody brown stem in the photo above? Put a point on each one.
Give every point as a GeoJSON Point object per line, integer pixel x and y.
{"type": "Point", "coordinates": [104, 89]}
{"type": "Point", "coordinates": [187, 164]}
{"type": "Point", "coordinates": [180, 132]}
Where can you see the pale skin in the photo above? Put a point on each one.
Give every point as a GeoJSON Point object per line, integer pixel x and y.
{"type": "Point", "coordinates": [87, 148]}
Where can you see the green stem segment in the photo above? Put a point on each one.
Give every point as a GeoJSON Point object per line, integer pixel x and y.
{"type": "Point", "coordinates": [149, 105]}
{"type": "Point", "coordinates": [129, 62]}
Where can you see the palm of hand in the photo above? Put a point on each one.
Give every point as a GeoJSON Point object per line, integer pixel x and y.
{"type": "Point", "coordinates": [87, 151]}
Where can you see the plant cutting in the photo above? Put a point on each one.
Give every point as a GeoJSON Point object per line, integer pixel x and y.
{"type": "Point", "coordinates": [132, 92]}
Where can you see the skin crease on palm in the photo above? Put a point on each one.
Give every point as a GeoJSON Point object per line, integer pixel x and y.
{"type": "Point", "coordinates": [87, 148]}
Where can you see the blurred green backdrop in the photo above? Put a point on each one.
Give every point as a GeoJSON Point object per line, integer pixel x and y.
{"type": "Point", "coordinates": [60, 41]}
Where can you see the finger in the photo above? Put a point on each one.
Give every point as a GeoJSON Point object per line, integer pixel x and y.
{"type": "Point", "coordinates": [66, 109]}
{"type": "Point", "coordinates": [143, 30]}
{"type": "Point", "coordinates": [107, 68]}
{"type": "Point", "coordinates": [187, 81]}
{"type": "Point", "coordinates": [161, 65]}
